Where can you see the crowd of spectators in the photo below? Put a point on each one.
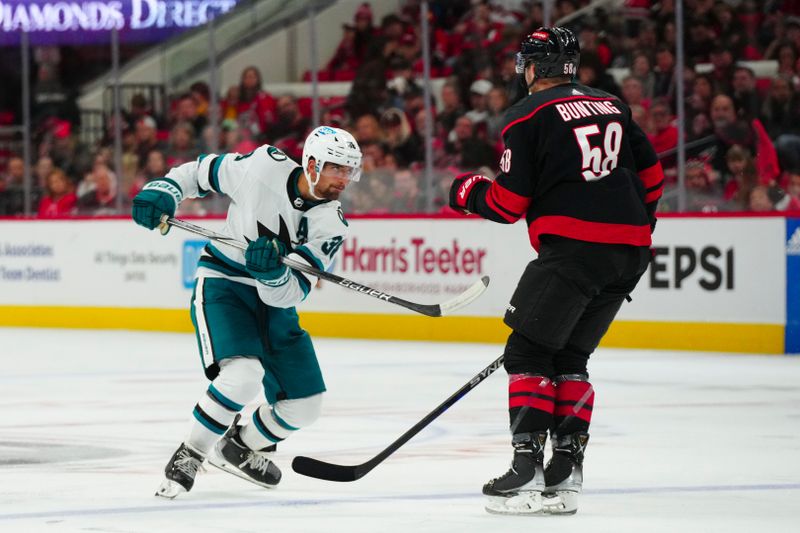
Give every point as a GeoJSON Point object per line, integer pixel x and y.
{"type": "Point", "coordinates": [743, 129]}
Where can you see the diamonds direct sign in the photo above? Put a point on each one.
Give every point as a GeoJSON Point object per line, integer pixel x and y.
{"type": "Point", "coordinates": [91, 22]}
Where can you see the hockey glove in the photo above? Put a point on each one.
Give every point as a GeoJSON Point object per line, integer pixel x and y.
{"type": "Point", "coordinates": [463, 186]}
{"type": "Point", "coordinates": [263, 261]}
{"type": "Point", "coordinates": [157, 198]}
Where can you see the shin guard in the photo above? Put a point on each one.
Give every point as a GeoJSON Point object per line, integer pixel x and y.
{"type": "Point", "coordinates": [574, 402]}
{"type": "Point", "coordinates": [530, 403]}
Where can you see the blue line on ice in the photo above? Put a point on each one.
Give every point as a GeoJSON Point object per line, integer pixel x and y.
{"type": "Point", "coordinates": [188, 506]}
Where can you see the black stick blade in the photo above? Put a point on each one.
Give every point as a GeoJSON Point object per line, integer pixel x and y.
{"type": "Point", "coordinates": [310, 467]}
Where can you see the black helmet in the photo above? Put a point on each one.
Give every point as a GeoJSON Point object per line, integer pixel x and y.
{"type": "Point", "coordinates": [554, 51]}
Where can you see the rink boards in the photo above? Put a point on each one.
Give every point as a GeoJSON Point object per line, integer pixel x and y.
{"type": "Point", "coordinates": [716, 284]}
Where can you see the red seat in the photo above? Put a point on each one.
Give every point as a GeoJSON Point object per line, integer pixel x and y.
{"type": "Point", "coordinates": [763, 85]}
{"type": "Point", "coordinates": [305, 105]}
{"type": "Point", "coordinates": [344, 75]}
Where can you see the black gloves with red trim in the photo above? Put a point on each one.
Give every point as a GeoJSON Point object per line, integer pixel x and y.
{"type": "Point", "coordinates": [462, 191]}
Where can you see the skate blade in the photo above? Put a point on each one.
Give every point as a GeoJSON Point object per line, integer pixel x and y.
{"type": "Point", "coordinates": [169, 489]}
{"type": "Point", "coordinates": [225, 467]}
{"type": "Point", "coordinates": [522, 504]}
{"type": "Point", "coordinates": [562, 502]}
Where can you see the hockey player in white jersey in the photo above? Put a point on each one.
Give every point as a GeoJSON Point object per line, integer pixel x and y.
{"type": "Point", "coordinates": [242, 307]}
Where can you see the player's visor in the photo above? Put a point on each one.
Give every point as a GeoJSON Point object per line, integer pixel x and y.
{"type": "Point", "coordinates": [343, 171]}
{"type": "Point", "coordinates": [520, 63]}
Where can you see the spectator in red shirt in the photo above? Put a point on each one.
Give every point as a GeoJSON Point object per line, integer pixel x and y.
{"type": "Point", "coordinates": [59, 199]}
{"type": "Point", "coordinates": [255, 108]}
{"type": "Point", "coordinates": [742, 177]}
{"type": "Point", "coordinates": [665, 134]}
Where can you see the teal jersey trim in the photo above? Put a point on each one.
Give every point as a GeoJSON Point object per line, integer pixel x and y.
{"type": "Point", "coordinates": [202, 193]}
{"type": "Point", "coordinates": [206, 263]}
{"type": "Point", "coordinates": [215, 173]}
{"type": "Point", "coordinates": [233, 264]}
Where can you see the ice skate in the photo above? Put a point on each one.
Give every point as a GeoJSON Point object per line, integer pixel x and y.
{"type": "Point", "coordinates": [233, 456]}
{"type": "Point", "coordinates": [519, 491]}
{"type": "Point", "coordinates": [180, 472]}
{"type": "Point", "coordinates": [564, 474]}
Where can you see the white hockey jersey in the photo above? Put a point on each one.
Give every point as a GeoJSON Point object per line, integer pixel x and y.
{"type": "Point", "coordinates": [265, 201]}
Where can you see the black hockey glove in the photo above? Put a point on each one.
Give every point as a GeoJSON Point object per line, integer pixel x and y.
{"type": "Point", "coordinates": [463, 186]}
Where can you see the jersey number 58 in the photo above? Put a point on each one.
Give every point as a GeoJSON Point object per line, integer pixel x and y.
{"type": "Point", "coordinates": [599, 161]}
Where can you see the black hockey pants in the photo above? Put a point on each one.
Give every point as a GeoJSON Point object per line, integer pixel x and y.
{"type": "Point", "coordinates": [565, 302]}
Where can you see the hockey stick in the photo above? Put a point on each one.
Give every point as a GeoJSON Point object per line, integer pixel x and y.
{"type": "Point", "coordinates": [315, 468]}
{"type": "Point", "coordinates": [434, 310]}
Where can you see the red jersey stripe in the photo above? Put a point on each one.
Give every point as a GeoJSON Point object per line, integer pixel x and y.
{"type": "Point", "coordinates": [652, 176]}
{"type": "Point", "coordinates": [652, 196]}
{"type": "Point", "coordinates": [499, 210]}
{"type": "Point", "coordinates": [511, 201]}
{"type": "Point", "coordinates": [583, 230]}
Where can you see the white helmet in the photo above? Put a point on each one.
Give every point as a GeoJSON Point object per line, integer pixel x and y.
{"type": "Point", "coordinates": [331, 145]}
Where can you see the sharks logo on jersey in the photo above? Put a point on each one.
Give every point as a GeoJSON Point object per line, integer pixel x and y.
{"type": "Point", "coordinates": [282, 235]}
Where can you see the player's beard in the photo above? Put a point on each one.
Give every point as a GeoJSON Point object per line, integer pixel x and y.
{"type": "Point", "coordinates": [330, 193]}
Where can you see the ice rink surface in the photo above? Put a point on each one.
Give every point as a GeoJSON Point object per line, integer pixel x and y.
{"type": "Point", "coordinates": [681, 442]}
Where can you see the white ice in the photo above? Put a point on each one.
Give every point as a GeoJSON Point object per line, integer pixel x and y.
{"type": "Point", "coordinates": [681, 442]}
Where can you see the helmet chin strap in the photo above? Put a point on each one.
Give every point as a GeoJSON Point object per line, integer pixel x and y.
{"type": "Point", "coordinates": [312, 185]}
{"type": "Point", "coordinates": [532, 81]}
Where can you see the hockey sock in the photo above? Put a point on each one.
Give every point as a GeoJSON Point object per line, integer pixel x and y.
{"type": "Point", "coordinates": [574, 402]}
{"type": "Point", "coordinates": [213, 415]}
{"type": "Point", "coordinates": [238, 382]}
{"type": "Point", "coordinates": [263, 430]}
{"type": "Point", "coordinates": [273, 423]}
{"type": "Point", "coordinates": [530, 403]}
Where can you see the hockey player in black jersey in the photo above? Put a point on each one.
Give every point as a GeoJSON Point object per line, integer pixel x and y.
{"type": "Point", "coordinates": [587, 181]}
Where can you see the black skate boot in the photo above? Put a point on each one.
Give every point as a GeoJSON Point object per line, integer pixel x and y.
{"type": "Point", "coordinates": [180, 471]}
{"type": "Point", "coordinates": [234, 457]}
{"type": "Point", "coordinates": [564, 473]}
{"type": "Point", "coordinates": [519, 491]}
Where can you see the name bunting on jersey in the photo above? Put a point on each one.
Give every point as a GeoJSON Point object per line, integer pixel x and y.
{"type": "Point", "coordinates": [585, 108]}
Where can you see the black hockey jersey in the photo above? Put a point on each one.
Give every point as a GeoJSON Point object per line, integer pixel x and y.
{"type": "Point", "coordinates": [576, 165]}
